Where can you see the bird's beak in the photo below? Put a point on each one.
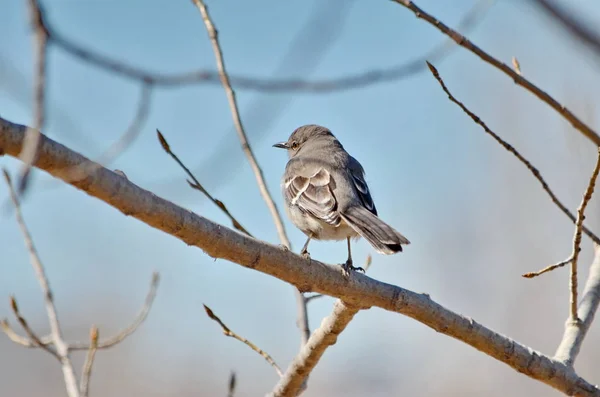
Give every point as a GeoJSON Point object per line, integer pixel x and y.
{"type": "Point", "coordinates": [281, 145]}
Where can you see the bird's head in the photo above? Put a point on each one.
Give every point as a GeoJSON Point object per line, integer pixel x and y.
{"type": "Point", "coordinates": [303, 135]}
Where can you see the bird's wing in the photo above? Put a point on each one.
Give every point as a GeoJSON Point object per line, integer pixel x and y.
{"type": "Point", "coordinates": [312, 192]}
{"type": "Point", "coordinates": [358, 177]}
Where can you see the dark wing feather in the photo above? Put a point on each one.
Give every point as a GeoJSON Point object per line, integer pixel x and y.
{"type": "Point", "coordinates": [363, 191]}
{"type": "Point", "coordinates": [313, 194]}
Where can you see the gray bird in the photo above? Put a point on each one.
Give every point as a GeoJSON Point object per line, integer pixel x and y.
{"type": "Point", "coordinates": [326, 195]}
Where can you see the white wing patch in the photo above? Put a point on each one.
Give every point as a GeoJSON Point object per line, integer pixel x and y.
{"type": "Point", "coordinates": [314, 195]}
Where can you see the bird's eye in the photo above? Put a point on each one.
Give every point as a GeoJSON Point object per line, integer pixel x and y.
{"type": "Point", "coordinates": [294, 145]}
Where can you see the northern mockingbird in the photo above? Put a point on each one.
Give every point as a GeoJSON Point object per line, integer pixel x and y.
{"type": "Point", "coordinates": [326, 195]}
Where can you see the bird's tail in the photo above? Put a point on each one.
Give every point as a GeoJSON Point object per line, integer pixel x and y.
{"type": "Point", "coordinates": [384, 238]}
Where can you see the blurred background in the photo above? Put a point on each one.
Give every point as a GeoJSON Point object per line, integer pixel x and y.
{"type": "Point", "coordinates": [477, 219]}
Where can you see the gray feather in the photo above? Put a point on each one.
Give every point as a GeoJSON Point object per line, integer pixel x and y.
{"type": "Point", "coordinates": [384, 238]}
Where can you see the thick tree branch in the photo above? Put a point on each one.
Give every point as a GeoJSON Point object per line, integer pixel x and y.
{"type": "Point", "coordinates": [516, 76]}
{"type": "Point", "coordinates": [310, 354]}
{"type": "Point", "coordinates": [575, 332]}
{"type": "Point", "coordinates": [359, 290]}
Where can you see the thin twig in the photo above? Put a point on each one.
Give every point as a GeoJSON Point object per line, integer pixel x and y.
{"type": "Point", "coordinates": [237, 121]}
{"type": "Point", "coordinates": [260, 180]}
{"type": "Point", "coordinates": [89, 362]}
{"type": "Point", "coordinates": [517, 78]}
{"type": "Point", "coordinates": [60, 346]}
{"type": "Point", "coordinates": [140, 318]}
{"type": "Point", "coordinates": [224, 243]}
{"type": "Point", "coordinates": [514, 151]}
{"type": "Point", "coordinates": [29, 153]}
{"type": "Point", "coordinates": [230, 333]}
{"type": "Point", "coordinates": [575, 333]}
{"type": "Point", "coordinates": [344, 83]}
{"type": "Point", "coordinates": [548, 268]}
{"type": "Point", "coordinates": [198, 186]}
{"type": "Point", "coordinates": [21, 340]}
{"type": "Point", "coordinates": [589, 191]}
{"type": "Point", "coordinates": [33, 338]}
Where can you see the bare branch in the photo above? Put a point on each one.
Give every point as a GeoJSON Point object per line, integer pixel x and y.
{"type": "Point", "coordinates": [575, 333]}
{"type": "Point", "coordinates": [576, 244]}
{"type": "Point", "coordinates": [260, 179]}
{"type": "Point", "coordinates": [198, 186]}
{"type": "Point", "coordinates": [296, 376]}
{"type": "Point", "coordinates": [20, 340]}
{"type": "Point", "coordinates": [350, 82]}
{"type": "Point", "coordinates": [517, 78]}
{"type": "Point", "coordinates": [33, 338]}
{"type": "Point", "coordinates": [589, 191]}
{"type": "Point", "coordinates": [219, 241]}
{"type": "Point", "coordinates": [89, 362]}
{"type": "Point", "coordinates": [61, 348]}
{"type": "Point", "coordinates": [514, 151]}
{"type": "Point", "coordinates": [230, 333]}
{"type": "Point", "coordinates": [40, 41]}
{"type": "Point", "coordinates": [310, 354]}
{"type": "Point", "coordinates": [548, 268]}
{"type": "Point", "coordinates": [237, 121]}
{"type": "Point", "coordinates": [140, 318]}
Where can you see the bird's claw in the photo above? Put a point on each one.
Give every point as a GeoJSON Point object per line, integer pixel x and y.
{"type": "Point", "coordinates": [305, 254]}
{"type": "Point", "coordinates": [284, 247]}
{"type": "Point", "coordinates": [347, 268]}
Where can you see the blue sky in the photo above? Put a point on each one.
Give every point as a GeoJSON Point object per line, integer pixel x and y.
{"type": "Point", "coordinates": [435, 176]}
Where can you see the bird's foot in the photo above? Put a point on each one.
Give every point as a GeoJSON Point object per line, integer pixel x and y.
{"type": "Point", "coordinates": [347, 267]}
{"type": "Point", "coordinates": [305, 254]}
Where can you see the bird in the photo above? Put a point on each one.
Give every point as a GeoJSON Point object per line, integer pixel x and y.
{"type": "Point", "coordinates": [326, 195]}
